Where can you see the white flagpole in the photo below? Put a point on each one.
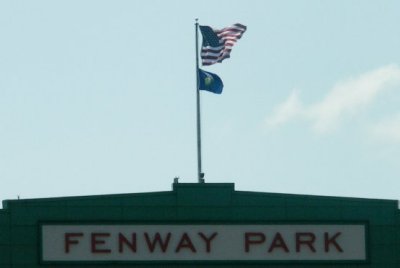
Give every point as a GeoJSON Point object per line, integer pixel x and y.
{"type": "Point", "coordinates": [200, 174]}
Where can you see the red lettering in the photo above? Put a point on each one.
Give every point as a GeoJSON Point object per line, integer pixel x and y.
{"type": "Point", "coordinates": [157, 240]}
{"type": "Point", "coordinates": [208, 240]}
{"type": "Point", "coordinates": [332, 240]}
{"type": "Point", "coordinates": [278, 242]}
{"type": "Point", "coordinates": [253, 238]}
{"type": "Point", "coordinates": [185, 242]}
{"type": "Point", "coordinates": [307, 239]}
{"type": "Point", "coordinates": [97, 241]}
{"type": "Point", "coordinates": [68, 241]}
{"type": "Point", "coordinates": [123, 240]}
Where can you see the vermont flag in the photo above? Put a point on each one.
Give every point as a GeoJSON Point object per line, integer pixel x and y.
{"type": "Point", "coordinates": [210, 82]}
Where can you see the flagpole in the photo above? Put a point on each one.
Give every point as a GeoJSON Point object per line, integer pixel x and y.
{"type": "Point", "coordinates": [200, 174]}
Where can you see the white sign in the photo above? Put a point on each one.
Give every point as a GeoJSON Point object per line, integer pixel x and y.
{"type": "Point", "coordinates": [204, 242]}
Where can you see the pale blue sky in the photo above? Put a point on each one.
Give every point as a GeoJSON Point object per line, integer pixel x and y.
{"type": "Point", "coordinates": [98, 97]}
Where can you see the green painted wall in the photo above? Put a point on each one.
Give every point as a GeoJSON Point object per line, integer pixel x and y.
{"type": "Point", "coordinates": [19, 238]}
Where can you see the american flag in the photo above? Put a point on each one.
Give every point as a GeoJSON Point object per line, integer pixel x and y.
{"type": "Point", "coordinates": [217, 44]}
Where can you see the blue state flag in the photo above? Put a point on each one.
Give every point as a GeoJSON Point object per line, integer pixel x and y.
{"type": "Point", "coordinates": [210, 82]}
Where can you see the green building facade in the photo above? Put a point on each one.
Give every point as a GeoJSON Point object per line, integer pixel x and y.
{"type": "Point", "coordinates": [28, 228]}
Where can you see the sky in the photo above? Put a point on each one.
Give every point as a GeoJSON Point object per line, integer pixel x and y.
{"type": "Point", "coordinates": [99, 97]}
